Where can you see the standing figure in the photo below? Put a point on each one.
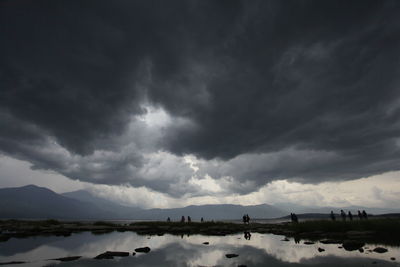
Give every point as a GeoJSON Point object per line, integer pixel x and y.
{"type": "Point", "coordinates": [248, 219]}
{"type": "Point", "coordinates": [343, 215]}
{"type": "Point", "coordinates": [359, 215]}
{"type": "Point", "coordinates": [183, 219]}
{"type": "Point", "coordinates": [350, 216]}
{"type": "Point", "coordinates": [202, 220]}
{"type": "Point", "coordinates": [295, 219]}
{"type": "Point", "coordinates": [332, 216]}
{"type": "Point", "coordinates": [168, 219]}
{"type": "Point", "coordinates": [244, 219]}
{"type": "Point", "coordinates": [189, 219]}
{"type": "Point", "coordinates": [364, 215]}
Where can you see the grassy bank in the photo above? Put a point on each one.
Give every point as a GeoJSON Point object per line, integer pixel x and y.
{"type": "Point", "coordinates": [377, 230]}
{"type": "Point", "coordinates": [383, 226]}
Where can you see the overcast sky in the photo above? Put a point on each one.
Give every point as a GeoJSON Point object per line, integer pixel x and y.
{"type": "Point", "coordinates": [171, 103]}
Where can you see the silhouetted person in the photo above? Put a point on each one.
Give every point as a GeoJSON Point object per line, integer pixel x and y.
{"type": "Point", "coordinates": [189, 219]}
{"type": "Point", "coordinates": [359, 215]}
{"type": "Point", "coordinates": [247, 219]}
{"type": "Point", "coordinates": [202, 220]}
{"type": "Point", "coordinates": [343, 215]}
{"type": "Point", "coordinates": [168, 219]}
{"type": "Point", "coordinates": [244, 219]}
{"type": "Point", "coordinates": [332, 216]}
{"type": "Point", "coordinates": [364, 215]}
{"type": "Point", "coordinates": [350, 216]}
{"type": "Point", "coordinates": [296, 220]}
{"type": "Point", "coordinates": [183, 219]}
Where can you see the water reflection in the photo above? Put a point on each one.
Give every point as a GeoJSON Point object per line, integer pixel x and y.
{"type": "Point", "coordinates": [253, 250]}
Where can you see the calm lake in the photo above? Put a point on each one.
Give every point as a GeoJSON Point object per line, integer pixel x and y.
{"type": "Point", "coordinates": [170, 250]}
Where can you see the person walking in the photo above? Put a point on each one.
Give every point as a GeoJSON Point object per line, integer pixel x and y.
{"type": "Point", "coordinates": [350, 216]}
{"type": "Point", "coordinates": [360, 215]}
{"type": "Point", "coordinates": [343, 214]}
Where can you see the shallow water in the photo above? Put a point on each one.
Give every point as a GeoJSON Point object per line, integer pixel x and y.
{"type": "Point", "coordinates": [169, 250]}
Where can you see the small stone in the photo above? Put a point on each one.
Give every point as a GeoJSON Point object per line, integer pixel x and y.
{"type": "Point", "coordinates": [12, 262]}
{"type": "Point", "coordinates": [111, 254]}
{"type": "Point", "coordinates": [330, 241]}
{"type": "Point", "coordinates": [321, 249]}
{"type": "Point", "coordinates": [393, 258]}
{"type": "Point", "coordinates": [143, 249]}
{"type": "Point", "coordinates": [72, 258]}
{"type": "Point", "coordinates": [231, 255]}
{"type": "Point", "coordinates": [380, 250]}
{"type": "Point", "coordinates": [133, 253]}
{"type": "Point", "coordinates": [361, 250]}
{"type": "Point", "coordinates": [285, 239]}
{"type": "Point", "coordinates": [340, 247]}
{"type": "Point", "coordinates": [351, 245]}
{"type": "Point", "coordinates": [206, 243]}
{"type": "Point", "coordinates": [308, 243]}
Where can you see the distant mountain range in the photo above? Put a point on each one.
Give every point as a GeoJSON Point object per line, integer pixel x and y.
{"type": "Point", "coordinates": [33, 202]}
{"type": "Point", "coordinates": [39, 203]}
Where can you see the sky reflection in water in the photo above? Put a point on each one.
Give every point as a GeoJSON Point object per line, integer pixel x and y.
{"type": "Point", "coordinates": [168, 250]}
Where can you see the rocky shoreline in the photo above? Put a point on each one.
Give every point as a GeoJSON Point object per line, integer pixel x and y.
{"type": "Point", "coordinates": [350, 236]}
{"type": "Point", "coordinates": [377, 231]}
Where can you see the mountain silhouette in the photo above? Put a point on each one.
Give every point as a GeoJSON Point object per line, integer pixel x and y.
{"type": "Point", "coordinates": [40, 203]}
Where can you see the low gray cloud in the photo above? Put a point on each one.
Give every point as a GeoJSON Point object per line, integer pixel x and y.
{"type": "Point", "coordinates": [257, 91]}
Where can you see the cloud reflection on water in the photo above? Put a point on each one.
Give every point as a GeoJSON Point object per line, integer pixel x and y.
{"type": "Point", "coordinates": [170, 250]}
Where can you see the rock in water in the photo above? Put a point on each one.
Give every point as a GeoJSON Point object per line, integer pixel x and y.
{"type": "Point", "coordinates": [380, 250]}
{"type": "Point", "coordinates": [143, 250]}
{"type": "Point", "coordinates": [12, 262]}
{"type": "Point", "coordinates": [321, 249]}
{"type": "Point", "coordinates": [231, 255]}
{"type": "Point", "coordinates": [111, 255]}
{"type": "Point", "coordinates": [72, 258]}
{"type": "Point", "coordinates": [206, 243]}
{"type": "Point", "coordinates": [351, 245]}
{"type": "Point", "coordinates": [330, 241]}
{"type": "Point", "coordinates": [4, 238]}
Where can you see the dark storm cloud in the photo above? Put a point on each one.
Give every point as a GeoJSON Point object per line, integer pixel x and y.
{"type": "Point", "coordinates": [259, 80]}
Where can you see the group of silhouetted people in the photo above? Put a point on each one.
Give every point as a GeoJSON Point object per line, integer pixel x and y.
{"type": "Point", "coordinates": [361, 215]}
{"type": "Point", "coordinates": [189, 220]}
{"type": "Point", "coordinates": [183, 219]}
{"type": "Point", "coordinates": [246, 219]}
{"type": "Point", "coordinates": [293, 218]}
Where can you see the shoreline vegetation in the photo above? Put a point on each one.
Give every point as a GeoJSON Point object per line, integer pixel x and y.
{"type": "Point", "coordinates": [377, 230]}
